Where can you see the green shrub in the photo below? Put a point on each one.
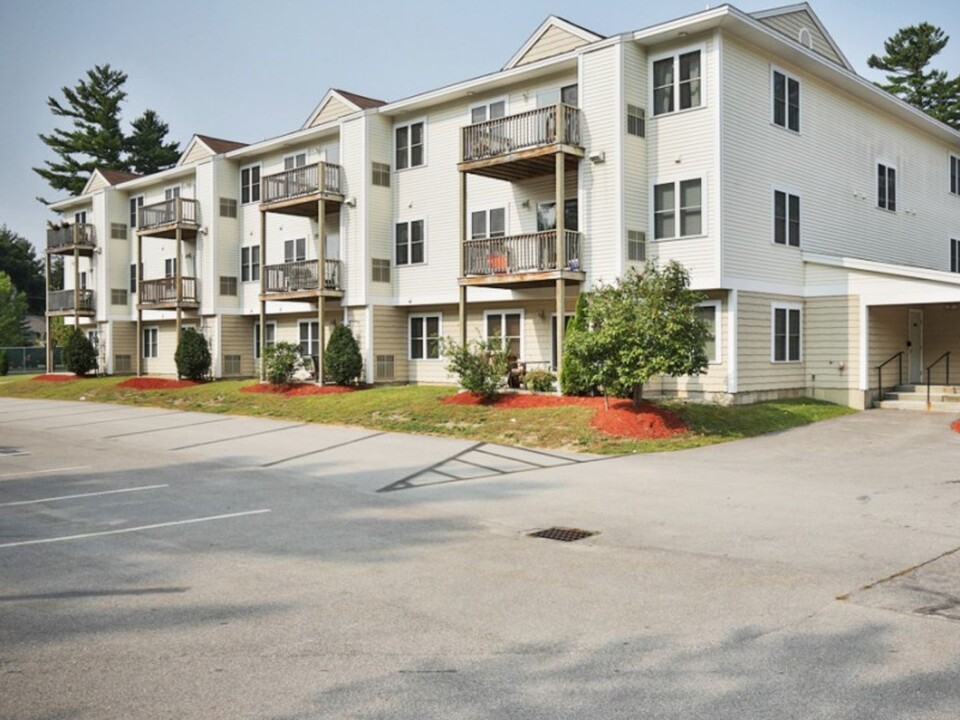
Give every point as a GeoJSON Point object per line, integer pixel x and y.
{"type": "Point", "coordinates": [480, 366]}
{"type": "Point", "coordinates": [79, 356]}
{"type": "Point", "coordinates": [574, 373]}
{"type": "Point", "coordinates": [281, 361]}
{"type": "Point", "coordinates": [4, 363]}
{"type": "Point", "coordinates": [193, 355]}
{"type": "Point", "coordinates": [539, 381]}
{"type": "Point", "coordinates": [342, 362]}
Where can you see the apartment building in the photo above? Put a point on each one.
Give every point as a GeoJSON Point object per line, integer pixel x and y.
{"type": "Point", "coordinates": [819, 215]}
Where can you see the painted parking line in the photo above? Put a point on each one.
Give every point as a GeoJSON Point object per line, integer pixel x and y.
{"type": "Point", "coordinates": [83, 495]}
{"type": "Point", "coordinates": [238, 437]}
{"type": "Point", "coordinates": [42, 472]}
{"type": "Point", "coordinates": [320, 450]}
{"type": "Point", "coordinates": [179, 426]}
{"type": "Point", "coordinates": [29, 418]}
{"type": "Point", "coordinates": [113, 420]}
{"type": "Point", "coordinates": [139, 528]}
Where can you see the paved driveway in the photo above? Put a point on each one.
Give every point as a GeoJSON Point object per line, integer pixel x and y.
{"type": "Point", "coordinates": [164, 564]}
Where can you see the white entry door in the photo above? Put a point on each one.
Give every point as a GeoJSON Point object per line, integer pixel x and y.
{"type": "Point", "coordinates": [915, 347]}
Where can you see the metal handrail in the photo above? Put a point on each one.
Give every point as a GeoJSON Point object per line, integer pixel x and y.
{"type": "Point", "coordinates": [899, 358]}
{"type": "Point", "coordinates": [930, 366]}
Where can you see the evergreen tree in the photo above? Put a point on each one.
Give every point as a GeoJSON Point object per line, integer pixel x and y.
{"type": "Point", "coordinates": [18, 259]}
{"type": "Point", "coordinates": [908, 53]}
{"type": "Point", "coordinates": [146, 150]}
{"type": "Point", "coordinates": [342, 362]}
{"type": "Point", "coordinates": [574, 378]}
{"type": "Point", "coordinates": [13, 313]}
{"type": "Point", "coordinates": [96, 139]}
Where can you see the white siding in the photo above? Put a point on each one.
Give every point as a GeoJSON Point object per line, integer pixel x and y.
{"type": "Point", "coordinates": [636, 183]}
{"type": "Point", "coordinates": [790, 25]}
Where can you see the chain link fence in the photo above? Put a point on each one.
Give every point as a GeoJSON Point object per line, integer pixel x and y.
{"type": "Point", "coordinates": [31, 360]}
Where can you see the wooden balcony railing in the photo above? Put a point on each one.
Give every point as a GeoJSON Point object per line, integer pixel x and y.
{"type": "Point", "coordinates": [60, 300]}
{"type": "Point", "coordinates": [301, 275]}
{"type": "Point", "coordinates": [306, 180]}
{"type": "Point", "coordinates": [69, 235]}
{"type": "Point", "coordinates": [164, 291]}
{"type": "Point", "coordinates": [169, 212]}
{"type": "Point", "coordinates": [533, 252]}
{"type": "Point", "coordinates": [523, 131]}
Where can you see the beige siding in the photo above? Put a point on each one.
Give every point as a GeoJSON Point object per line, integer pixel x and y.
{"type": "Point", "coordinates": [941, 333]}
{"type": "Point", "coordinates": [390, 338]}
{"type": "Point", "coordinates": [236, 338]}
{"type": "Point", "coordinates": [379, 204]}
{"type": "Point", "coordinates": [163, 364]}
{"type": "Point", "coordinates": [757, 371]}
{"type": "Point", "coordinates": [554, 41]}
{"type": "Point", "coordinates": [123, 341]}
{"type": "Point", "coordinates": [887, 336]}
{"type": "Point", "coordinates": [790, 25]}
{"type": "Point", "coordinates": [97, 182]}
{"type": "Point", "coordinates": [334, 108]}
{"type": "Point", "coordinates": [198, 152]}
{"type": "Point", "coordinates": [832, 342]}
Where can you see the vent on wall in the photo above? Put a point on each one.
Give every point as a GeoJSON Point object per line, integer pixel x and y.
{"type": "Point", "coordinates": [121, 363]}
{"type": "Point", "coordinates": [636, 245]}
{"type": "Point", "coordinates": [231, 364]}
{"type": "Point", "coordinates": [385, 367]}
{"type": "Point", "coordinates": [806, 39]}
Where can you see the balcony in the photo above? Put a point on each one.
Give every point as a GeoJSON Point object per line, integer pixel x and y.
{"type": "Point", "coordinates": [301, 280]}
{"type": "Point", "coordinates": [528, 260]}
{"type": "Point", "coordinates": [162, 294]}
{"type": "Point", "coordinates": [164, 219]}
{"type": "Point", "coordinates": [67, 238]}
{"type": "Point", "coordinates": [69, 302]}
{"type": "Point", "coordinates": [522, 146]}
{"type": "Point", "coordinates": [297, 191]}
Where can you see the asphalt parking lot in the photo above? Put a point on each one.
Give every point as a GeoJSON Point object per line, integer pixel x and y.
{"type": "Point", "coordinates": [178, 565]}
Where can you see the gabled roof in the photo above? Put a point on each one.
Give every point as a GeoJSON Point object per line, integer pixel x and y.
{"type": "Point", "coordinates": [104, 177]}
{"type": "Point", "coordinates": [337, 103]}
{"type": "Point", "coordinates": [790, 20]}
{"type": "Point", "coordinates": [554, 37]}
{"type": "Point", "coordinates": [201, 147]}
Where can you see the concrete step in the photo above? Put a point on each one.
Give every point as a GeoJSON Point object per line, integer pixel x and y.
{"type": "Point", "coordinates": [922, 395]}
{"type": "Point", "coordinates": [934, 389]}
{"type": "Point", "coordinates": [920, 405]}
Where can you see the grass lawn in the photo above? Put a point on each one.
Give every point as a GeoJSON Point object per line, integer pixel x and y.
{"type": "Point", "coordinates": [416, 409]}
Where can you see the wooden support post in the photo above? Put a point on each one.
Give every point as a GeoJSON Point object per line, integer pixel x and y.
{"type": "Point", "coordinates": [139, 305]}
{"type": "Point", "coordinates": [322, 282]}
{"type": "Point", "coordinates": [178, 277]}
{"type": "Point", "coordinates": [49, 342]}
{"type": "Point", "coordinates": [463, 263]}
{"type": "Point", "coordinates": [561, 187]}
{"type": "Point", "coordinates": [263, 290]}
{"type": "Point", "coordinates": [561, 325]}
{"type": "Point", "coordinates": [76, 282]}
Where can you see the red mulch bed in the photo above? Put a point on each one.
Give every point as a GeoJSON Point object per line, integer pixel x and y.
{"type": "Point", "coordinates": [648, 422]}
{"type": "Point", "coordinates": [56, 378]}
{"type": "Point", "coordinates": [955, 425]}
{"type": "Point", "coordinates": [298, 390]}
{"type": "Point", "coordinates": [150, 383]}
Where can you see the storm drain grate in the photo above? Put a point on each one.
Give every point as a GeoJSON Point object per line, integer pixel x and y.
{"type": "Point", "coordinates": [562, 534]}
{"type": "Point", "coordinates": [11, 451]}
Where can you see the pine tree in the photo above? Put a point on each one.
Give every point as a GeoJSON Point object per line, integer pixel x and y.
{"type": "Point", "coordinates": [96, 140]}
{"type": "Point", "coordinates": [146, 150]}
{"type": "Point", "coordinates": [19, 260]}
{"type": "Point", "coordinates": [13, 313]}
{"type": "Point", "coordinates": [908, 53]}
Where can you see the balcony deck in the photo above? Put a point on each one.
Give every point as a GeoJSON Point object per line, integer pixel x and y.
{"type": "Point", "coordinates": [161, 294]}
{"type": "Point", "coordinates": [522, 146]}
{"type": "Point", "coordinates": [61, 302]}
{"type": "Point", "coordinates": [163, 219]}
{"type": "Point", "coordinates": [301, 281]}
{"type": "Point", "coordinates": [66, 239]}
{"type": "Point", "coordinates": [297, 191]}
{"type": "Point", "coordinates": [520, 261]}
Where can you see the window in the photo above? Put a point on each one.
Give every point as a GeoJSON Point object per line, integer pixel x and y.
{"type": "Point", "coordinates": [250, 184]}
{"type": "Point", "coordinates": [669, 204]}
{"type": "Point", "coordinates": [410, 243]}
{"type": "Point", "coordinates": [118, 296]}
{"type": "Point", "coordinates": [955, 174]}
{"type": "Point", "coordinates": [568, 95]}
{"type": "Point", "coordinates": [636, 121]}
{"type": "Point", "coordinates": [294, 161]}
{"type": "Point", "coordinates": [709, 313]}
{"type": "Point", "coordinates": [118, 231]}
{"type": "Point", "coordinates": [547, 215]}
{"type": "Point", "coordinates": [171, 193]}
{"type": "Point", "coordinates": [309, 338]}
{"type": "Point", "coordinates": [676, 83]}
{"type": "Point", "coordinates": [425, 337]}
{"type": "Point", "coordinates": [786, 333]}
{"type": "Point", "coordinates": [83, 280]}
{"type": "Point", "coordinates": [80, 218]}
{"type": "Point", "coordinates": [506, 327]}
{"type": "Point", "coordinates": [150, 342]}
{"type": "Point", "coordinates": [955, 256]}
{"type": "Point", "coordinates": [636, 245]}
{"type": "Point", "coordinates": [490, 111]}
{"type": "Point", "coordinates": [228, 207]}
{"type": "Point", "coordinates": [886, 187]}
{"type": "Point", "coordinates": [381, 269]}
{"type": "Point", "coordinates": [786, 219]}
{"type": "Point", "coordinates": [135, 204]}
{"type": "Point", "coordinates": [271, 337]}
{"type": "Point", "coordinates": [250, 263]}
{"type": "Point", "coordinates": [786, 101]}
{"type": "Point", "coordinates": [381, 174]}
{"type": "Point", "coordinates": [133, 278]}
{"type": "Point", "coordinates": [170, 267]}
{"type": "Point", "coordinates": [488, 223]}
{"type": "Point", "coordinates": [295, 250]}
{"type": "Point", "coordinates": [409, 145]}
{"type": "Point", "coordinates": [228, 285]}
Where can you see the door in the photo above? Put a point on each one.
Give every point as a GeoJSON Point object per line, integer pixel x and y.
{"type": "Point", "coordinates": [915, 347]}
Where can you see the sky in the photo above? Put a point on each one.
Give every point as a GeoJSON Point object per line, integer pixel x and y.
{"type": "Point", "coordinates": [247, 71]}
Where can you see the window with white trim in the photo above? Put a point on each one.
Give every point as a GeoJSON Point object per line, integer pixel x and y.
{"type": "Point", "coordinates": [506, 327]}
{"type": "Point", "coordinates": [295, 250]}
{"type": "Point", "coordinates": [135, 204]}
{"type": "Point", "coordinates": [954, 255]}
{"type": "Point", "coordinates": [425, 332]}
{"type": "Point", "coordinates": [410, 243]}
{"type": "Point", "coordinates": [709, 313]}
{"type": "Point", "coordinates": [250, 263]}
{"type": "Point", "coordinates": [380, 270]}
{"type": "Point", "coordinates": [786, 101]}
{"type": "Point", "coordinates": [80, 218]}
{"type": "Point", "coordinates": [488, 223]}
{"type": "Point", "coordinates": [409, 145]}
{"type": "Point", "coordinates": [170, 267]}
{"type": "Point", "coordinates": [250, 184]}
{"type": "Point", "coordinates": [271, 333]}
{"type": "Point", "coordinates": [151, 342]}
{"type": "Point", "coordinates": [677, 82]}
{"type": "Point", "coordinates": [228, 285]}
{"type": "Point", "coordinates": [309, 338]}
{"type": "Point", "coordinates": [786, 333]}
{"type": "Point", "coordinates": [291, 162]}
{"type": "Point", "coordinates": [228, 207]}
{"type": "Point", "coordinates": [171, 193]}
{"type": "Point", "coordinates": [133, 278]}
{"type": "Point", "coordinates": [83, 280]}
{"type": "Point", "coordinates": [636, 121]}
{"type": "Point", "coordinates": [488, 111]}
{"type": "Point", "coordinates": [955, 174]}
{"type": "Point", "coordinates": [786, 218]}
{"type": "Point", "coordinates": [886, 187]}
{"type": "Point", "coordinates": [636, 246]}
{"type": "Point", "coordinates": [683, 200]}
{"type": "Point", "coordinates": [381, 174]}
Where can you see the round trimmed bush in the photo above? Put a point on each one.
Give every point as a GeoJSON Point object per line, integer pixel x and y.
{"type": "Point", "coordinates": [342, 362]}
{"type": "Point", "coordinates": [79, 355]}
{"type": "Point", "coordinates": [193, 355]}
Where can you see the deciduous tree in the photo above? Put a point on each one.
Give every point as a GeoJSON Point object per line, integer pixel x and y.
{"type": "Point", "coordinates": [19, 261]}
{"type": "Point", "coordinates": [13, 313]}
